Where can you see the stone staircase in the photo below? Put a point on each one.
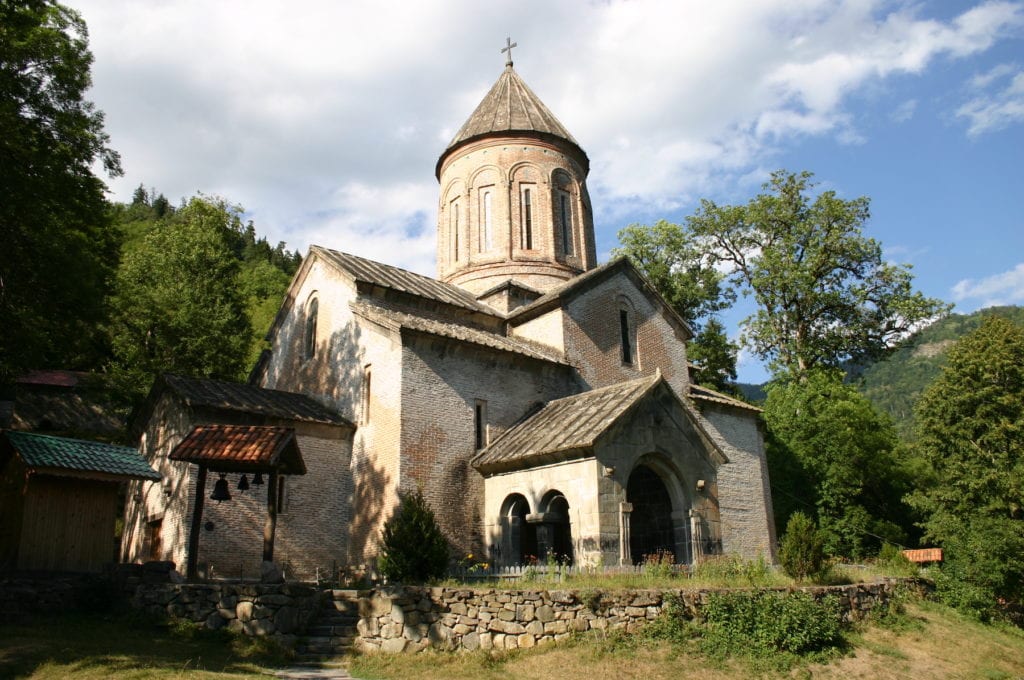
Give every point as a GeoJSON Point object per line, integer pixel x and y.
{"type": "Point", "coordinates": [334, 629]}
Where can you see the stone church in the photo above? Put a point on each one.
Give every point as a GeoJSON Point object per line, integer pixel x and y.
{"type": "Point", "coordinates": [540, 401]}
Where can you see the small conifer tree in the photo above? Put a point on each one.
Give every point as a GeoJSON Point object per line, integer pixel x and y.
{"type": "Point", "coordinates": [802, 553]}
{"type": "Point", "coordinates": [413, 549]}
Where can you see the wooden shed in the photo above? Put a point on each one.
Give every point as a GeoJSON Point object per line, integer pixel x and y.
{"type": "Point", "coordinates": [58, 500]}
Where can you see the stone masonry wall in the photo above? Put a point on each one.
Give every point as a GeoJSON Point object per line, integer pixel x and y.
{"type": "Point", "coordinates": [282, 611]}
{"type": "Point", "coordinates": [409, 619]}
{"type": "Point", "coordinates": [442, 383]}
{"type": "Point", "coordinates": [745, 502]}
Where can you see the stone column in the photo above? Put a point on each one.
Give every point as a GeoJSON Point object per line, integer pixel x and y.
{"type": "Point", "coordinates": [625, 557]}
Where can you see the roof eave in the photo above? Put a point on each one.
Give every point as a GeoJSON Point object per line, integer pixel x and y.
{"type": "Point", "coordinates": [533, 460]}
{"type": "Point", "coordinates": [573, 149]}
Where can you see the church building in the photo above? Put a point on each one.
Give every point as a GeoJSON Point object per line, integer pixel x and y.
{"type": "Point", "coordinates": [540, 401]}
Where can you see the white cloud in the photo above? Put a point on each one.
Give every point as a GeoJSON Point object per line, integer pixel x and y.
{"type": "Point", "coordinates": [325, 120]}
{"type": "Point", "coordinates": [904, 111]}
{"type": "Point", "coordinates": [1000, 102]}
{"type": "Point", "coordinates": [1006, 288]}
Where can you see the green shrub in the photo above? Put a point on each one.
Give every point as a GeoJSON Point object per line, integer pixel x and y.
{"type": "Point", "coordinates": [674, 624]}
{"type": "Point", "coordinates": [413, 548]}
{"type": "Point", "coordinates": [733, 570]}
{"type": "Point", "coordinates": [659, 565]}
{"type": "Point", "coordinates": [892, 559]}
{"type": "Point", "coordinates": [765, 623]}
{"type": "Point", "coordinates": [802, 551]}
{"type": "Point", "coordinates": [955, 589]}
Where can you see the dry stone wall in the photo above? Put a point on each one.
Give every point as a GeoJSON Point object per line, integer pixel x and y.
{"type": "Point", "coordinates": [409, 619]}
{"type": "Point", "coordinates": [282, 611]}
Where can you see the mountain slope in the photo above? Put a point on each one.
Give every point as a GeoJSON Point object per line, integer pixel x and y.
{"type": "Point", "coordinates": [894, 384]}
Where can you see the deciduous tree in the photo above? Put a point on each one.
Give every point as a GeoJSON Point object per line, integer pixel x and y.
{"type": "Point", "coordinates": [669, 257]}
{"type": "Point", "coordinates": [845, 455]}
{"type": "Point", "coordinates": [824, 293]}
{"type": "Point", "coordinates": [58, 250]}
{"type": "Point", "coordinates": [177, 305]}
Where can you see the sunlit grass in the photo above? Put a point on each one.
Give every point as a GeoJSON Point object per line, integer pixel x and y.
{"type": "Point", "coordinates": [722, 571]}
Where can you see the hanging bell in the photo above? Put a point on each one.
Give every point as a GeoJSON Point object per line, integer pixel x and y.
{"type": "Point", "coordinates": [220, 490]}
{"type": "Point", "coordinates": [243, 483]}
{"type": "Point", "coordinates": [257, 479]}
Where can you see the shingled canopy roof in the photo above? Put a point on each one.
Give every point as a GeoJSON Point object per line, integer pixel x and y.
{"type": "Point", "coordinates": [62, 456]}
{"type": "Point", "coordinates": [241, 448]}
{"type": "Point", "coordinates": [250, 399]}
{"type": "Point", "coordinates": [563, 427]}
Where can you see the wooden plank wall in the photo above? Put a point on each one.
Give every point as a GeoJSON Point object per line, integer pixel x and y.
{"type": "Point", "coordinates": [13, 486]}
{"type": "Point", "coordinates": [68, 524]}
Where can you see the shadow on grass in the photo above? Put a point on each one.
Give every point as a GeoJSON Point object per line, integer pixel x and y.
{"type": "Point", "coordinates": [123, 644]}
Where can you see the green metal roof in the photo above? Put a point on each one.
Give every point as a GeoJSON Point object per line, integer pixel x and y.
{"type": "Point", "coordinates": [79, 456]}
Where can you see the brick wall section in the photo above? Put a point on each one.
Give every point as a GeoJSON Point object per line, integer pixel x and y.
{"type": "Point", "coordinates": [504, 165]}
{"type": "Point", "coordinates": [592, 338]}
{"type": "Point", "coordinates": [413, 619]}
{"type": "Point", "coordinates": [312, 533]}
{"type": "Point", "coordinates": [335, 375]}
{"type": "Point", "coordinates": [441, 383]}
{"type": "Point", "coordinates": [748, 526]}
{"type": "Point", "coordinates": [166, 501]}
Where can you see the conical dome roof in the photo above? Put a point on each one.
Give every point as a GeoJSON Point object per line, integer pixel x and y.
{"type": "Point", "coordinates": [510, 107]}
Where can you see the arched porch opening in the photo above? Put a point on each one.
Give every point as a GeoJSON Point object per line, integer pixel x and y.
{"type": "Point", "coordinates": [657, 518]}
{"type": "Point", "coordinates": [554, 528]}
{"type": "Point", "coordinates": [518, 536]}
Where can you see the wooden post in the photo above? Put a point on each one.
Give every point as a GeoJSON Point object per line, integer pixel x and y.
{"type": "Point", "coordinates": [192, 570]}
{"type": "Point", "coordinates": [271, 524]}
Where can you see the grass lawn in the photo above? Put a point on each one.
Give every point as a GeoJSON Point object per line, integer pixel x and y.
{"type": "Point", "coordinates": [74, 647]}
{"type": "Point", "coordinates": [930, 641]}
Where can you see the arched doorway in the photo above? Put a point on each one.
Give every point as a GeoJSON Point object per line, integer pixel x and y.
{"type": "Point", "coordinates": [652, 530]}
{"type": "Point", "coordinates": [555, 528]}
{"type": "Point", "coordinates": [518, 537]}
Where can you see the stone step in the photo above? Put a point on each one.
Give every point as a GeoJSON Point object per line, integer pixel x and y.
{"type": "Point", "coordinates": [342, 606]}
{"type": "Point", "coordinates": [320, 629]}
{"type": "Point", "coordinates": [324, 645]}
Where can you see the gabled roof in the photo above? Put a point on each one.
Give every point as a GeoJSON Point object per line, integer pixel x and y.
{"type": "Point", "coordinates": [563, 426]}
{"type": "Point", "coordinates": [79, 458]}
{"type": "Point", "coordinates": [424, 324]}
{"type": "Point", "coordinates": [575, 286]}
{"type": "Point", "coordinates": [250, 399]}
{"type": "Point", "coordinates": [510, 107]}
{"type": "Point", "coordinates": [704, 394]}
{"type": "Point", "coordinates": [395, 278]}
{"type": "Point", "coordinates": [241, 448]}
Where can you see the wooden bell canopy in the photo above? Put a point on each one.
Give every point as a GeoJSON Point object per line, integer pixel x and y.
{"type": "Point", "coordinates": [241, 449]}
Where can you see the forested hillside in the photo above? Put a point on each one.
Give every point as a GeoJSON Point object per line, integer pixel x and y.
{"type": "Point", "coordinates": [894, 384]}
{"type": "Point", "coordinates": [195, 291]}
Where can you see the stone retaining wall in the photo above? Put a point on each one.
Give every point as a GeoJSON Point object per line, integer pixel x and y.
{"type": "Point", "coordinates": [24, 595]}
{"type": "Point", "coordinates": [282, 611]}
{"type": "Point", "coordinates": [409, 619]}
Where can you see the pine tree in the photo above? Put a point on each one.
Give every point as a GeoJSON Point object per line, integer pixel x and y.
{"type": "Point", "coordinates": [970, 426]}
{"type": "Point", "coordinates": [413, 548]}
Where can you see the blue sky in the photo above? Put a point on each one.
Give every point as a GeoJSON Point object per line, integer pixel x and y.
{"type": "Point", "coordinates": [325, 124]}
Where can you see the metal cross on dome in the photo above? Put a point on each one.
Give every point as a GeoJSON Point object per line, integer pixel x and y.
{"type": "Point", "coordinates": [508, 48]}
